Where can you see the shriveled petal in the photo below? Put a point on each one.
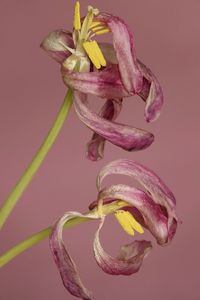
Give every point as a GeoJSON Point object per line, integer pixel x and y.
{"type": "Point", "coordinates": [151, 93]}
{"type": "Point", "coordinates": [125, 51]}
{"type": "Point", "coordinates": [63, 260]}
{"type": "Point", "coordinates": [124, 136]}
{"type": "Point", "coordinates": [55, 44]}
{"type": "Point", "coordinates": [129, 259]}
{"type": "Point", "coordinates": [105, 83]}
{"type": "Point", "coordinates": [154, 219]}
{"type": "Point", "coordinates": [109, 111]}
{"type": "Point", "coordinates": [159, 192]}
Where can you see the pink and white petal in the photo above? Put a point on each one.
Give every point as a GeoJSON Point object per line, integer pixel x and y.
{"type": "Point", "coordinates": [63, 260]}
{"type": "Point", "coordinates": [125, 51]}
{"type": "Point", "coordinates": [105, 83]}
{"type": "Point", "coordinates": [109, 111]}
{"type": "Point", "coordinates": [128, 261]}
{"type": "Point", "coordinates": [158, 190]}
{"type": "Point", "coordinates": [151, 93]}
{"type": "Point", "coordinates": [124, 136]}
{"type": "Point", "coordinates": [154, 219]}
{"type": "Point", "coordinates": [55, 44]}
{"type": "Point", "coordinates": [108, 52]}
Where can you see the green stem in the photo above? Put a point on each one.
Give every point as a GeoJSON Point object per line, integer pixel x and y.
{"type": "Point", "coordinates": [23, 182]}
{"type": "Point", "coordinates": [43, 234]}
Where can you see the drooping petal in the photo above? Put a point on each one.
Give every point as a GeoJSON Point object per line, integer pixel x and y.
{"type": "Point", "coordinates": [154, 219]}
{"type": "Point", "coordinates": [109, 111]}
{"type": "Point", "coordinates": [105, 83]}
{"type": "Point", "coordinates": [129, 259]}
{"type": "Point", "coordinates": [125, 51]}
{"type": "Point", "coordinates": [158, 190]}
{"type": "Point", "coordinates": [151, 93]}
{"type": "Point", "coordinates": [124, 136]}
{"type": "Point", "coordinates": [55, 44]}
{"type": "Point", "coordinates": [63, 260]}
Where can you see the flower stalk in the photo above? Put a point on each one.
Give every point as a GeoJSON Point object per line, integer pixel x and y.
{"type": "Point", "coordinates": [43, 234]}
{"type": "Point", "coordinates": [30, 171]}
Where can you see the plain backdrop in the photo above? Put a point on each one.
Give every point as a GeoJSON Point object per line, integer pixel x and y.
{"type": "Point", "coordinates": [31, 92]}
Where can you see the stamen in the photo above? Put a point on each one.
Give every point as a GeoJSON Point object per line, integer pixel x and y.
{"type": "Point", "coordinates": [99, 54]}
{"type": "Point", "coordinates": [102, 31]}
{"type": "Point", "coordinates": [128, 222]}
{"type": "Point", "coordinates": [86, 24]}
{"type": "Point", "coordinates": [88, 46]}
{"type": "Point", "coordinates": [77, 18]}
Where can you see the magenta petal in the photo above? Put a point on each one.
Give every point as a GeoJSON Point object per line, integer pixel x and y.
{"type": "Point", "coordinates": [159, 192]}
{"type": "Point", "coordinates": [125, 51]}
{"type": "Point", "coordinates": [64, 262]}
{"type": "Point", "coordinates": [154, 219]}
{"type": "Point", "coordinates": [109, 111]}
{"type": "Point", "coordinates": [105, 83]}
{"type": "Point", "coordinates": [128, 261]}
{"type": "Point", "coordinates": [124, 136]}
{"type": "Point", "coordinates": [151, 93]}
{"type": "Point", "coordinates": [55, 42]}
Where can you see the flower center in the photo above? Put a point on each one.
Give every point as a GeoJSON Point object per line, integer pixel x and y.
{"type": "Point", "coordinates": [86, 49]}
{"type": "Point", "coordinates": [128, 222]}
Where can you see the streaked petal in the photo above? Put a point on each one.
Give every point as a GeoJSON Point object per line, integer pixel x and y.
{"type": "Point", "coordinates": [109, 111]}
{"type": "Point", "coordinates": [63, 260]}
{"type": "Point", "coordinates": [124, 136]}
{"type": "Point", "coordinates": [55, 44]}
{"type": "Point", "coordinates": [129, 259]}
{"type": "Point", "coordinates": [125, 51]}
{"type": "Point", "coordinates": [105, 83]}
{"type": "Point", "coordinates": [154, 219]}
{"type": "Point", "coordinates": [158, 190]}
{"type": "Point", "coordinates": [151, 93]}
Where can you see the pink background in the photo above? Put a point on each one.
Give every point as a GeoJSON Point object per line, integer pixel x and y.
{"type": "Point", "coordinates": [167, 40]}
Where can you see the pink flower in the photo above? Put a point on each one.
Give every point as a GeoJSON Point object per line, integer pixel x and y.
{"type": "Point", "coordinates": [110, 71]}
{"type": "Point", "coordinates": [152, 209]}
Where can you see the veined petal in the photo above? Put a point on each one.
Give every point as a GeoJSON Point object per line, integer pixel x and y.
{"type": "Point", "coordinates": [129, 259]}
{"type": "Point", "coordinates": [63, 260]}
{"type": "Point", "coordinates": [105, 83]}
{"type": "Point", "coordinates": [151, 93]}
{"type": "Point", "coordinates": [109, 111]}
{"type": "Point", "coordinates": [125, 51]}
{"type": "Point", "coordinates": [56, 43]}
{"type": "Point", "coordinates": [154, 219]}
{"type": "Point", "coordinates": [159, 192]}
{"type": "Point", "coordinates": [124, 136]}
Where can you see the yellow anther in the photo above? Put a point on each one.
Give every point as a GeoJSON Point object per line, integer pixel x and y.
{"type": "Point", "coordinates": [102, 30]}
{"type": "Point", "coordinates": [94, 52]}
{"type": "Point", "coordinates": [99, 54]}
{"type": "Point", "coordinates": [77, 18]}
{"type": "Point", "coordinates": [95, 23]}
{"type": "Point", "coordinates": [128, 222]}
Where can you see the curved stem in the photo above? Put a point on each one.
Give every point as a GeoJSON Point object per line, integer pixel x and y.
{"type": "Point", "coordinates": [32, 168]}
{"type": "Point", "coordinates": [43, 234]}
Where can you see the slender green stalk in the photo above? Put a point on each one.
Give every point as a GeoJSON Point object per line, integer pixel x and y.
{"type": "Point", "coordinates": [23, 182]}
{"type": "Point", "coordinates": [43, 234]}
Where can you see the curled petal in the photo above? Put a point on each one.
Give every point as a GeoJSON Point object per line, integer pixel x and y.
{"type": "Point", "coordinates": [124, 136]}
{"type": "Point", "coordinates": [151, 93]}
{"type": "Point", "coordinates": [154, 219]}
{"type": "Point", "coordinates": [129, 259]}
{"type": "Point", "coordinates": [55, 44]}
{"type": "Point", "coordinates": [64, 262]}
{"type": "Point", "coordinates": [109, 111]}
{"type": "Point", "coordinates": [125, 51]}
{"type": "Point", "coordinates": [105, 83]}
{"type": "Point", "coordinates": [159, 192]}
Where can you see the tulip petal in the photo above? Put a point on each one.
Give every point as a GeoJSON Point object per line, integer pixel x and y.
{"type": "Point", "coordinates": [109, 111]}
{"type": "Point", "coordinates": [55, 44]}
{"type": "Point", "coordinates": [105, 83]}
{"type": "Point", "coordinates": [159, 192]}
{"type": "Point", "coordinates": [64, 262]}
{"type": "Point", "coordinates": [124, 136]}
{"type": "Point", "coordinates": [151, 93]}
{"type": "Point", "coordinates": [154, 219]}
{"type": "Point", "coordinates": [125, 51]}
{"type": "Point", "coordinates": [129, 259]}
